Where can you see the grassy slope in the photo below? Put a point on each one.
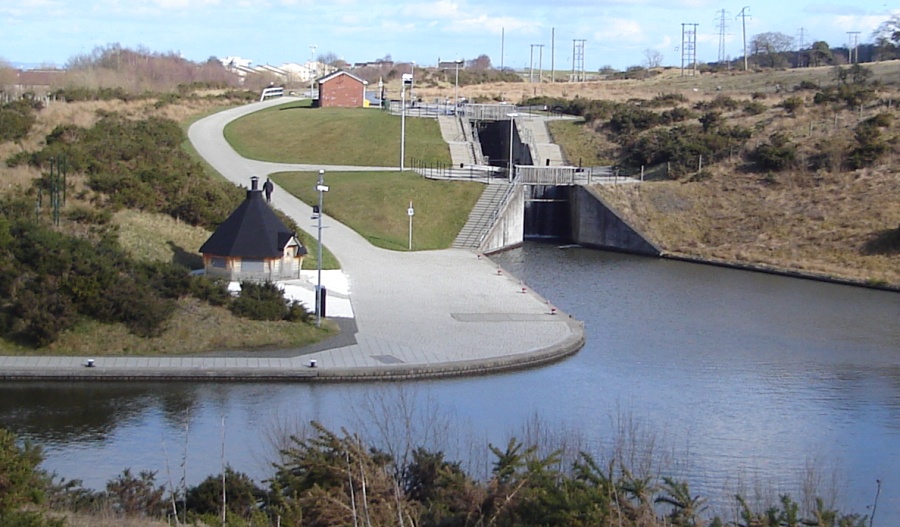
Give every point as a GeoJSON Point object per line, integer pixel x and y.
{"type": "Point", "coordinates": [196, 327]}
{"type": "Point", "coordinates": [296, 133]}
{"type": "Point", "coordinates": [375, 205]}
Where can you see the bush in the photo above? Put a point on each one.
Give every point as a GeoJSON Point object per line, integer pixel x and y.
{"type": "Point", "coordinates": [754, 108]}
{"type": "Point", "coordinates": [16, 120]}
{"type": "Point", "coordinates": [806, 85]}
{"type": "Point", "coordinates": [259, 301]}
{"type": "Point", "coordinates": [628, 119]}
{"type": "Point", "coordinates": [792, 105]}
{"type": "Point", "coordinates": [139, 495]}
{"type": "Point", "coordinates": [777, 154]}
{"type": "Point", "coordinates": [871, 144]}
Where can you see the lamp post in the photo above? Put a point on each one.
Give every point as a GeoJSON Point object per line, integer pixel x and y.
{"type": "Point", "coordinates": [312, 75]}
{"type": "Point", "coordinates": [406, 80]}
{"type": "Point", "coordinates": [456, 89]}
{"type": "Point", "coordinates": [512, 124]}
{"type": "Point", "coordinates": [321, 188]}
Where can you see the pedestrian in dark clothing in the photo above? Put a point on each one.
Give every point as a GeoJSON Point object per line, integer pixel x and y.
{"type": "Point", "coordinates": [268, 187]}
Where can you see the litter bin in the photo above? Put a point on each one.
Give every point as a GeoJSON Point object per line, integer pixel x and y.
{"type": "Point", "coordinates": [321, 295]}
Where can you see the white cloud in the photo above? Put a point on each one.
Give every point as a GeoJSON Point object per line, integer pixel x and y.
{"type": "Point", "coordinates": [620, 30]}
{"type": "Point", "coordinates": [863, 23]}
{"type": "Point", "coordinates": [440, 9]}
{"type": "Point", "coordinates": [494, 25]}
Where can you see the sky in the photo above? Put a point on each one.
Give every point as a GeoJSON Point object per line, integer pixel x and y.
{"type": "Point", "coordinates": [617, 33]}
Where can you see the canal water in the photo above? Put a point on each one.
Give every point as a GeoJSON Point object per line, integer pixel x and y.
{"type": "Point", "coordinates": [739, 381]}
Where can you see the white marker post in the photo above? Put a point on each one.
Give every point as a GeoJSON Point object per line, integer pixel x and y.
{"type": "Point", "coordinates": [410, 212]}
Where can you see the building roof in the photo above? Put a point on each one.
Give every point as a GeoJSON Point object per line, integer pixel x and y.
{"type": "Point", "coordinates": [252, 231]}
{"type": "Point", "coordinates": [338, 73]}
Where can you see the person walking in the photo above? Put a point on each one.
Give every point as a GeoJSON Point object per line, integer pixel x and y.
{"type": "Point", "coordinates": [268, 187]}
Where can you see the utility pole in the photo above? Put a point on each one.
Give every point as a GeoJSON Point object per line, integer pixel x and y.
{"type": "Point", "coordinates": [540, 63]}
{"type": "Point", "coordinates": [801, 47]}
{"type": "Point", "coordinates": [744, 14]}
{"type": "Point", "coordinates": [689, 47]}
{"type": "Point", "coordinates": [853, 46]}
{"type": "Point", "coordinates": [578, 60]}
{"type": "Point", "coordinates": [531, 74]}
{"type": "Point", "coordinates": [552, 55]}
{"type": "Point", "coordinates": [502, 46]}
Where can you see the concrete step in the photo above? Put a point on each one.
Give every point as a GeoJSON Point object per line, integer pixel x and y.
{"type": "Point", "coordinates": [481, 218]}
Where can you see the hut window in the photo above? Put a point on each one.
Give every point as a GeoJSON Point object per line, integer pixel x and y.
{"type": "Point", "coordinates": [253, 265]}
{"type": "Point", "coordinates": [219, 262]}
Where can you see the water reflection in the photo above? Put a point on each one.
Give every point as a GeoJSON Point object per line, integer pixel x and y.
{"type": "Point", "coordinates": [742, 377]}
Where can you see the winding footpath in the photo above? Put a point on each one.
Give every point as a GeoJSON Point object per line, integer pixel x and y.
{"type": "Point", "coordinates": [418, 314]}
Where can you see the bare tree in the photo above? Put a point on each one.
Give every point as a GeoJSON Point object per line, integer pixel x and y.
{"type": "Point", "coordinates": [652, 58]}
{"type": "Point", "coordinates": [771, 48]}
{"type": "Point", "coordinates": [889, 29]}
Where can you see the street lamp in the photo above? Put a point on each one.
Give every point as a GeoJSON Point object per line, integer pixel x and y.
{"type": "Point", "coordinates": [312, 75]}
{"type": "Point", "coordinates": [407, 80]}
{"type": "Point", "coordinates": [321, 188]}
{"type": "Point", "coordinates": [456, 90]}
{"type": "Point", "coordinates": [512, 124]}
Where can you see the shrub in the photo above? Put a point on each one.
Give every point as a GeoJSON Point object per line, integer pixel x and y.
{"type": "Point", "coordinates": [754, 108]}
{"type": "Point", "coordinates": [792, 105]}
{"type": "Point", "coordinates": [777, 154]}
{"type": "Point", "coordinates": [259, 301]}
{"type": "Point", "coordinates": [667, 99]}
{"type": "Point", "coordinates": [806, 85]}
{"type": "Point", "coordinates": [870, 142]}
{"type": "Point", "coordinates": [16, 120]}
{"type": "Point", "coordinates": [676, 115]}
{"type": "Point", "coordinates": [628, 119]}
{"type": "Point", "coordinates": [139, 495]}
{"type": "Point", "coordinates": [721, 102]}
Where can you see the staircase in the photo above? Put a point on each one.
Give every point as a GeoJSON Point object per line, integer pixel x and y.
{"type": "Point", "coordinates": [460, 148]}
{"type": "Point", "coordinates": [482, 217]}
{"type": "Point", "coordinates": [542, 146]}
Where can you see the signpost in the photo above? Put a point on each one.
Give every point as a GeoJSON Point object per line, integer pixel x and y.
{"type": "Point", "coordinates": [410, 212]}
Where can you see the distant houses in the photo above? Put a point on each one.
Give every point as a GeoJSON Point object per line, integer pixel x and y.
{"type": "Point", "coordinates": [287, 73]}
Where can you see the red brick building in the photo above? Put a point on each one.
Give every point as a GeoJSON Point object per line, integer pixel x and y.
{"type": "Point", "coordinates": [341, 90]}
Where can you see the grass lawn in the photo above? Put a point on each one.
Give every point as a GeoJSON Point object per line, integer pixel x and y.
{"type": "Point", "coordinates": [296, 133]}
{"type": "Point", "coordinates": [374, 204]}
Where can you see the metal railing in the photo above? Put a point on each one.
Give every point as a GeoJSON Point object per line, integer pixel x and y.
{"type": "Point", "coordinates": [274, 91]}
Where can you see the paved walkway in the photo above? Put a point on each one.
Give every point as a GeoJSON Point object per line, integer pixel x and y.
{"type": "Point", "coordinates": [420, 314]}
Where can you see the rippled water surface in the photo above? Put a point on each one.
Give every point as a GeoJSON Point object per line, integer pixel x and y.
{"type": "Point", "coordinates": [741, 377]}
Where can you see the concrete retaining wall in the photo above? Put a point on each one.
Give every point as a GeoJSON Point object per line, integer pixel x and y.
{"type": "Point", "coordinates": [509, 230]}
{"type": "Point", "coordinates": [596, 224]}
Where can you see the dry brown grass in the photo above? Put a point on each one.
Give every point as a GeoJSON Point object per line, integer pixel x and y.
{"type": "Point", "coordinates": [815, 225]}
{"type": "Point", "coordinates": [735, 83]}
{"type": "Point", "coordinates": [195, 328]}
{"type": "Point", "coordinates": [160, 238]}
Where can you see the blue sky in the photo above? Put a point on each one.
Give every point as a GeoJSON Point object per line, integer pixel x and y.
{"type": "Point", "coordinates": [616, 32]}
